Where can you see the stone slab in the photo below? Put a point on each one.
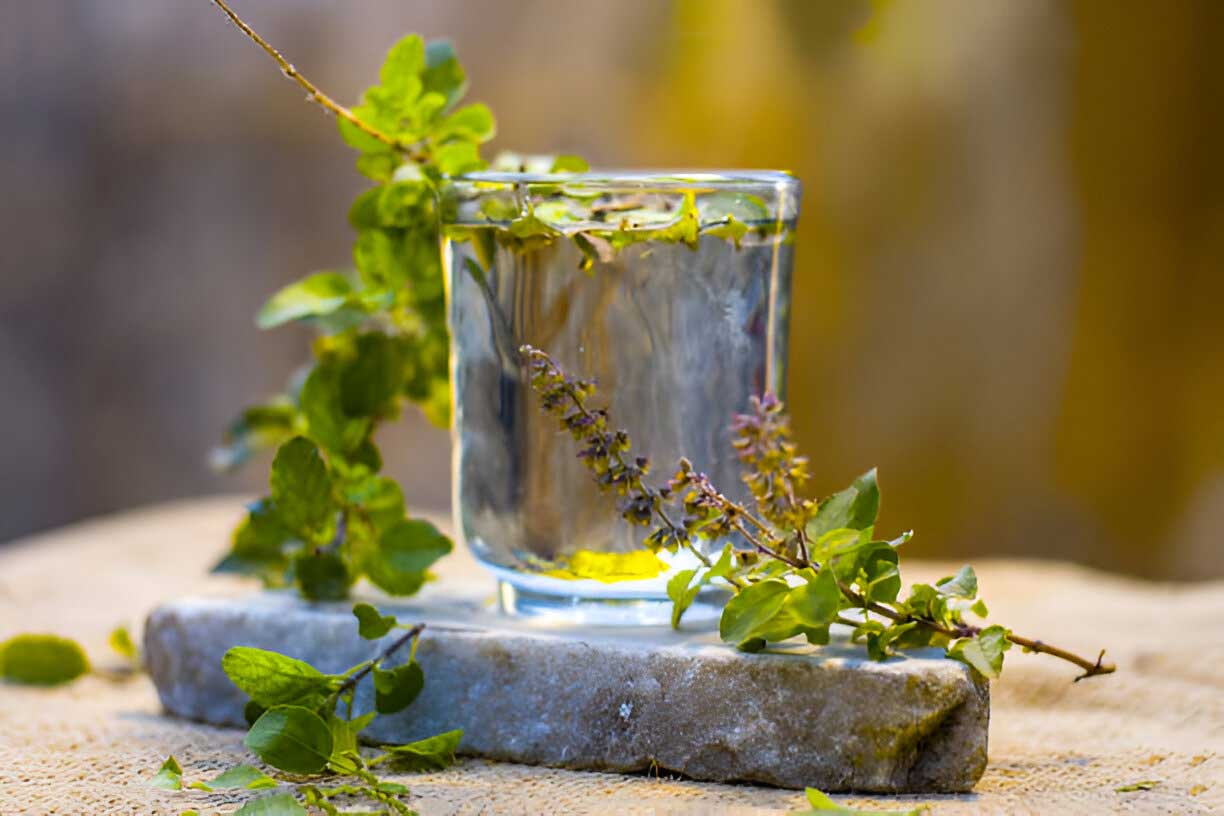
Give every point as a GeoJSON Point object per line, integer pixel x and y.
{"type": "Point", "coordinates": [610, 699]}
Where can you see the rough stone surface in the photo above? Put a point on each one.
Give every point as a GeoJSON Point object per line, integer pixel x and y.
{"type": "Point", "coordinates": [605, 699]}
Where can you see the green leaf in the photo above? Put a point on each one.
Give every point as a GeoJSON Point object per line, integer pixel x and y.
{"type": "Point", "coordinates": [404, 204]}
{"type": "Point", "coordinates": [301, 488]}
{"type": "Point", "coordinates": [786, 625]}
{"type": "Point", "coordinates": [1145, 785]}
{"type": "Point", "coordinates": [381, 500]}
{"type": "Point", "coordinates": [443, 74]}
{"type": "Point", "coordinates": [471, 122]}
{"type": "Point", "coordinates": [247, 777]}
{"type": "Point", "coordinates": [121, 643]}
{"type": "Point", "coordinates": [824, 805]}
{"type": "Point", "coordinates": [369, 384]}
{"type": "Point", "coordinates": [752, 645]}
{"type": "Point", "coordinates": [377, 166]}
{"type": "Point", "coordinates": [456, 158]}
{"type": "Point", "coordinates": [41, 660]}
{"type": "Point", "coordinates": [432, 754]}
{"type": "Point", "coordinates": [962, 585]}
{"type": "Point", "coordinates": [878, 573]}
{"type": "Point", "coordinates": [291, 738]}
{"type": "Point", "coordinates": [370, 624]}
{"type": "Point", "coordinates": [252, 711]}
{"type": "Point", "coordinates": [322, 576]}
{"type": "Point", "coordinates": [273, 679]}
{"type": "Point", "coordinates": [815, 603]}
{"type": "Point", "coordinates": [279, 804]}
{"type": "Point", "coordinates": [363, 214]}
{"type": "Point", "coordinates": [169, 776]}
{"type": "Point", "coordinates": [395, 689]}
{"type": "Point", "coordinates": [681, 594]}
{"type": "Point", "coordinates": [732, 229]}
{"type": "Point", "coordinates": [318, 294]}
{"type": "Point", "coordinates": [257, 545]}
{"type": "Point", "coordinates": [344, 740]}
{"type": "Point", "coordinates": [855, 507]}
{"type": "Point", "coordinates": [722, 567]}
{"type": "Point", "coordinates": [751, 608]}
{"type": "Point", "coordinates": [836, 542]}
{"type": "Point", "coordinates": [983, 652]}
{"type": "Point", "coordinates": [866, 506]}
{"type": "Point", "coordinates": [357, 138]}
{"type": "Point", "coordinates": [685, 229]}
{"type": "Point", "coordinates": [405, 551]}
{"type": "Point", "coordinates": [377, 257]}
{"type": "Point", "coordinates": [401, 68]}
{"type": "Point", "coordinates": [569, 164]}
{"type": "Point", "coordinates": [881, 641]}
{"type": "Point", "coordinates": [322, 404]}
{"type": "Point", "coordinates": [259, 427]}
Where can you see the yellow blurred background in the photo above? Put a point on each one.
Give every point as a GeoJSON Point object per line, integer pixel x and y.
{"type": "Point", "coordinates": [1010, 277]}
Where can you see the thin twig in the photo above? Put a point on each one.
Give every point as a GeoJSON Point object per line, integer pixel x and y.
{"type": "Point", "coordinates": [1091, 667]}
{"type": "Point", "coordinates": [313, 93]}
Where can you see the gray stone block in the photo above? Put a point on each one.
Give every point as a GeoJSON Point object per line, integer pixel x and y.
{"type": "Point", "coordinates": [606, 699]}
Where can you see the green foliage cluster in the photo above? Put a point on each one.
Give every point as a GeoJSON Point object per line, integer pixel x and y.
{"type": "Point", "coordinates": [302, 726]}
{"type": "Point", "coordinates": [796, 567]}
{"type": "Point", "coordinates": [331, 516]}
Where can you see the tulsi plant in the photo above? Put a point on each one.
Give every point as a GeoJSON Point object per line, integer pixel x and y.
{"type": "Point", "coordinates": [795, 566]}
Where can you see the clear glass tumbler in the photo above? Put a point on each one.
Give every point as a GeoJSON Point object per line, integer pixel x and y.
{"type": "Point", "coordinates": [672, 291]}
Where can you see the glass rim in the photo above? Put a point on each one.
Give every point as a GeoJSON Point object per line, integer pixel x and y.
{"type": "Point", "coordinates": [745, 180]}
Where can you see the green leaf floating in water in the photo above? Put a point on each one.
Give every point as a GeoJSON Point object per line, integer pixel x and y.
{"type": "Point", "coordinates": [569, 164]}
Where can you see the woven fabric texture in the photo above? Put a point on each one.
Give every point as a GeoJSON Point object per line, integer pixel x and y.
{"type": "Point", "coordinates": [1055, 746]}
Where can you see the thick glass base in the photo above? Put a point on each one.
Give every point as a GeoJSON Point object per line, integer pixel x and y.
{"type": "Point", "coordinates": [572, 610]}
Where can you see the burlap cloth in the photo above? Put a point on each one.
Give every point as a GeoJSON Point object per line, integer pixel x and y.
{"type": "Point", "coordinates": [1055, 747]}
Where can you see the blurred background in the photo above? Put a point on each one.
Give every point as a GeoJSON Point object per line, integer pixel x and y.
{"type": "Point", "coordinates": [1010, 283]}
